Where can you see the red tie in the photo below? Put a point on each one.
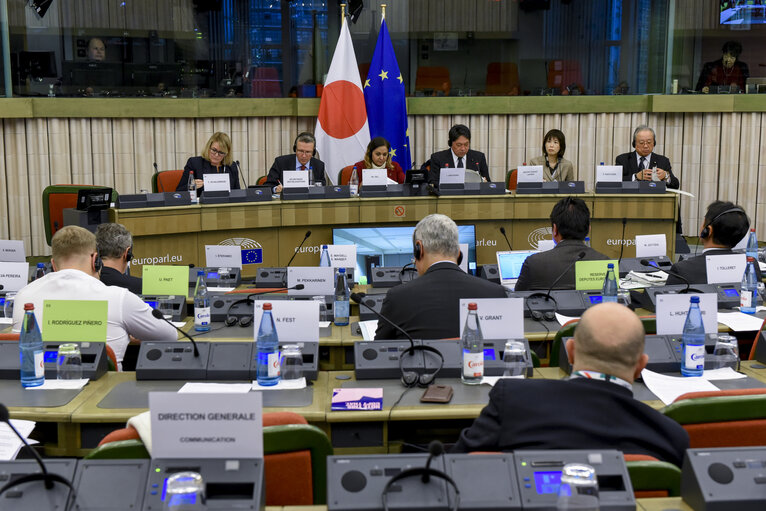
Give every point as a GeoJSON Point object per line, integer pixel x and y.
{"type": "Point", "coordinates": [303, 167]}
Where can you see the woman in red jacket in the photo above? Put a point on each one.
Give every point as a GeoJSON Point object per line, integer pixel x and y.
{"type": "Point", "coordinates": [378, 156]}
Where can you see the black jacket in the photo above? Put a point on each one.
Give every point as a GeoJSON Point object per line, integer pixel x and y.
{"type": "Point", "coordinates": [629, 162]}
{"type": "Point", "coordinates": [695, 268]}
{"type": "Point", "coordinates": [112, 277]}
{"type": "Point", "coordinates": [287, 162]}
{"type": "Point", "coordinates": [539, 271]}
{"type": "Point", "coordinates": [200, 166]}
{"type": "Point", "coordinates": [473, 160]}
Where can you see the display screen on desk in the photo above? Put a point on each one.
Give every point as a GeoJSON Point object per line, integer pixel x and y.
{"type": "Point", "coordinates": [489, 354]}
{"type": "Point", "coordinates": [730, 292]}
{"type": "Point", "coordinates": [547, 482]}
{"type": "Point", "coordinates": [392, 246]}
{"type": "Point", "coordinates": [212, 275]}
{"type": "Point", "coordinates": [594, 299]}
{"type": "Point", "coordinates": [151, 303]}
{"type": "Point", "coordinates": [50, 357]}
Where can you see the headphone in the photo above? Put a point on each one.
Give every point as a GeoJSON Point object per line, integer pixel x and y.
{"type": "Point", "coordinates": [706, 230]}
{"type": "Point", "coordinates": [129, 255]}
{"type": "Point", "coordinates": [417, 252]}
{"type": "Point", "coordinates": [537, 315]}
{"type": "Point", "coordinates": [98, 264]}
{"type": "Point", "coordinates": [308, 135]}
{"type": "Point", "coordinates": [424, 473]}
{"type": "Point", "coordinates": [244, 321]}
{"type": "Point", "coordinates": [411, 378]}
{"type": "Point", "coordinates": [643, 127]}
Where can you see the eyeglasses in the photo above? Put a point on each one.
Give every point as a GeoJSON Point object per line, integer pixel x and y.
{"type": "Point", "coordinates": [298, 151]}
{"type": "Point", "coordinates": [644, 142]}
{"type": "Point", "coordinates": [216, 151]}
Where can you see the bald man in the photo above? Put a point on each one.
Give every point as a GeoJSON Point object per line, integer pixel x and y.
{"type": "Point", "coordinates": [593, 409]}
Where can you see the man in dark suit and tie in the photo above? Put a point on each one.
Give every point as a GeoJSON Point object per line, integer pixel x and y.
{"type": "Point", "coordinates": [303, 160]}
{"type": "Point", "coordinates": [459, 155]}
{"type": "Point", "coordinates": [429, 306]}
{"type": "Point", "coordinates": [637, 165]}
{"type": "Point", "coordinates": [593, 409]}
{"type": "Point", "coordinates": [570, 222]}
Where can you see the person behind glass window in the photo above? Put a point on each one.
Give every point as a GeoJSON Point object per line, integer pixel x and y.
{"type": "Point", "coordinates": [215, 158]}
{"type": "Point", "coordinates": [555, 167]}
{"type": "Point", "coordinates": [96, 50]}
{"type": "Point", "coordinates": [378, 156]}
{"type": "Point", "coordinates": [459, 155]}
{"type": "Point", "coordinates": [726, 71]}
{"type": "Point", "coordinates": [304, 148]}
{"type": "Point", "coordinates": [115, 246]}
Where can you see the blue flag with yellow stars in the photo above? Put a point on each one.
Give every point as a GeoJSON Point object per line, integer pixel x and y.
{"type": "Point", "coordinates": [386, 103]}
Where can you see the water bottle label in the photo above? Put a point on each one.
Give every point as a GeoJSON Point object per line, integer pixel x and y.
{"type": "Point", "coordinates": [746, 298]}
{"type": "Point", "coordinates": [273, 361]}
{"type": "Point", "coordinates": [473, 364]}
{"type": "Point", "coordinates": [193, 195]}
{"type": "Point", "coordinates": [39, 364]}
{"type": "Point", "coordinates": [694, 357]}
{"type": "Point", "coordinates": [341, 309]}
{"type": "Point", "coordinates": [201, 316]}
{"type": "Point", "coordinates": [353, 189]}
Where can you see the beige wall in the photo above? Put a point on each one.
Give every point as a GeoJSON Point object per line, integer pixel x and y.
{"type": "Point", "coordinates": [715, 155]}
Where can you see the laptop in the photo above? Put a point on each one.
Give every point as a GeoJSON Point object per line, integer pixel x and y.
{"type": "Point", "coordinates": [509, 264]}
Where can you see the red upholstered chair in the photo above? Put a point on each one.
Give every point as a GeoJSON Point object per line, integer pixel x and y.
{"type": "Point", "coordinates": [166, 181]}
{"type": "Point", "coordinates": [262, 180]}
{"type": "Point", "coordinates": [510, 179]}
{"type": "Point", "coordinates": [345, 174]}
{"type": "Point", "coordinates": [10, 336]}
{"type": "Point", "coordinates": [57, 198]}
{"type": "Point", "coordinates": [433, 78]}
{"type": "Point", "coordinates": [758, 349]}
{"type": "Point", "coordinates": [652, 478]}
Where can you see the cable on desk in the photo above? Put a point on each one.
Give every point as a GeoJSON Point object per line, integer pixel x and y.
{"type": "Point", "coordinates": [397, 402]}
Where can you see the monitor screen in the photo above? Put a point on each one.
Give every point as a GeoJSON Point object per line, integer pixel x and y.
{"type": "Point", "coordinates": [509, 264]}
{"type": "Point", "coordinates": [741, 13]}
{"type": "Point", "coordinates": [547, 482]}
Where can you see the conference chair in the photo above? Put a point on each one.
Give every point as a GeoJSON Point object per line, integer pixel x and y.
{"type": "Point", "coordinates": [758, 349]}
{"type": "Point", "coordinates": [652, 478]}
{"type": "Point", "coordinates": [262, 180]}
{"type": "Point", "coordinates": [166, 181]}
{"type": "Point", "coordinates": [726, 418]}
{"type": "Point", "coordinates": [433, 79]}
{"type": "Point", "coordinates": [57, 198]}
{"type": "Point", "coordinates": [344, 174]}
{"type": "Point", "coordinates": [502, 79]}
{"type": "Point", "coordinates": [510, 179]}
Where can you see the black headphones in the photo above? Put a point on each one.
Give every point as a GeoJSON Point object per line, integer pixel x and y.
{"type": "Point", "coordinates": [98, 264]}
{"type": "Point", "coordinates": [411, 378]}
{"type": "Point", "coordinates": [305, 134]}
{"type": "Point", "coordinates": [537, 315]}
{"type": "Point", "coordinates": [643, 128]}
{"type": "Point", "coordinates": [457, 131]}
{"type": "Point", "coordinates": [244, 321]}
{"type": "Point", "coordinates": [706, 230]}
{"type": "Point", "coordinates": [417, 252]}
{"type": "Point", "coordinates": [129, 255]}
{"type": "Point", "coordinates": [425, 473]}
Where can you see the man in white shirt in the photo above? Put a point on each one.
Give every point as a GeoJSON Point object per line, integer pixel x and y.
{"type": "Point", "coordinates": [76, 265]}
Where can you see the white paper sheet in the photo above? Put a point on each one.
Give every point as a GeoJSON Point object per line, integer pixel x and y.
{"type": "Point", "coordinates": [220, 289]}
{"type": "Point", "coordinates": [492, 380]}
{"type": "Point", "coordinates": [564, 319]}
{"type": "Point", "coordinates": [6, 321]}
{"type": "Point", "coordinates": [282, 385]}
{"type": "Point", "coordinates": [739, 321]}
{"type": "Point", "coordinates": [215, 388]}
{"type": "Point", "coordinates": [53, 384]}
{"type": "Point", "coordinates": [9, 442]}
{"type": "Point", "coordinates": [668, 388]}
{"type": "Point", "coordinates": [725, 373]}
{"type": "Point", "coordinates": [368, 329]}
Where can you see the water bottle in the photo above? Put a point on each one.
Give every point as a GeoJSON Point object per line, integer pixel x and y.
{"type": "Point", "coordinates": [353, 183]}
{"type": "Point", "coordinates": [201, 304]}
{"type": "Point", "coordinates": [693, 338]}
{"type": "Point", "coordinates": [40, 271]}
{"type": "Point", "coordinates": [267, 346]}
{"type": "Point", "coordinates": [342, 304]}
{"type": "Point", "coordinates": [473, 348]}
{"type": "Point", "coordinates": [31, 350]}
{"type": "Point", "coordinates": [192, 187]}
{"type": "Point", "coordinates": [609, 290]}
{"type": "Point", "coordinates": [752, 245]}
{"type": "Point", "coordinates": [587, 241]}
{"type": "Point", "coordinates": [748, 291]}
{"type": "Point", "coordinates": [324, 257]}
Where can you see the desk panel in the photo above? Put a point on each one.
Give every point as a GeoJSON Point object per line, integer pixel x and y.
{"type": "Point", "coordinates": [396, 209]}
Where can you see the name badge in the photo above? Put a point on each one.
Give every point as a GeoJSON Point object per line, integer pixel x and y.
{"type": "Point", "coordinates": [374, 177]}
{"type": "Point", "coordinates": [217, 182]}
{"type": "Point", "coordinates": [529, 174]}
{"type": "Point", "coordinates": [608, 173]}
{"type": "Point", "coordinates": [591, 274]}
{"type": "Point", "coordinates": [673, 308]}
{"type": "Point", "coordinates": [12, 251]}
{"type": "Point", "coordinates": [295, 179]}
{"type": "Point", "coordinates": [500, 318]}
{"type": "Point", "coordinates": [206, 425]}
{"type": "Point", "coordinates": [217, 256]}
{"type": "Point", "coordinates": [14, 276]}
{"type": "Point", "coordinates": [296, 320]}
{"type": "Point", "coordinates": [452, 176]}
{"type": "Point", "coordinates": [162, 280]}
{"type": "Point", "coordinates": [316, 280]}
{"type": "Point", "coordinates": [725, 268]}
{"type": "Point", "coordinates": [651, 245]}
{"type": "Point", "coordinates": [342, 256]}
{"type": "Point", "coordinates": [74, 320]}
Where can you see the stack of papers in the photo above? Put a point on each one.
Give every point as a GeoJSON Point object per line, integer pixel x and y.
{"type": "Point", "coordinates": [635, 280]}
{"type": "Point", "coordinates": [10, 445]}
{"type": "Point", "coordinates": [669, 388]}
{"type": "Point", "coordinates": [51, 384]}
{"type": "Point", "coordinates": [368, 329]}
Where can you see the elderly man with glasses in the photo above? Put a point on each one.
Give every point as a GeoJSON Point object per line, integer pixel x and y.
{"type": "Point", "coordinates": [304, 148]}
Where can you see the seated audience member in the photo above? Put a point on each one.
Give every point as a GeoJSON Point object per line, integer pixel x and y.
{"type": "Point", "coordinates": [637, 165]}
{"type": "Point", "coordinates": [215, 158]}
{"type": "Point", "coordinates": [378, 156]}
{"type": "Point", "coordinates": [725, 224]}
{"type": "Point", "coordinates": [428, 307]}
{"type": "Point", "coordinates": [96, 50]}
{"type": "Point", "coordinates": [76, 265]}
{"type": "Point", "coordinates": [304, 148]}
{"type": "Point", "coordinates": [570, 222]}
{"type": "Point", "coordinates": [555, 167]}
{"type": "Point", "coordinates": [459, 155]}
{"type": "Point", "coordinates": [726, 71]}
{"type": "Point", "coordinates": [115, 246]}
{"type": "Point", "coordinates": [593, 409]}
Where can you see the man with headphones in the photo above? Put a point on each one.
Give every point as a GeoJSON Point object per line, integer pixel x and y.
{"type": "Point", "coordinates": [304, 148]}
{"type": "Point", "coordinates": [459, 155]}
{"type": "Point", "coordinates": [428, 307]}
{"type": "Point", "coordinates": [638, 164]}
{"type": "Point", "coordinates": [76, 266]}
{"type": "Point", "coordinates": [724, 226]}
{"type": "Point", "coordinates": [115, 246]}
{"type": "Point", "coordinates": [593, 409]}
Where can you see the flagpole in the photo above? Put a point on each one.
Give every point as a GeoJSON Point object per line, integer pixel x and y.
{"type": "Point", "coordinates": [382, 12]}
{"type": "Point", "coordinates": [342, 14]}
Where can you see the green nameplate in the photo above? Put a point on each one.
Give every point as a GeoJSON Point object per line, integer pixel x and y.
{"type": "Point", "coordinates": [74, 320]}
{"type": "Point", "coordinates": [165, 280]}
{"type": "Point", "coordinates": [590, 274]}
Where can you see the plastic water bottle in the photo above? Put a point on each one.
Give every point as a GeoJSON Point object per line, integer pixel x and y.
{"type": "Point", "coordinates": [473, 348]}
{"type": "Point", "coordinates": [342, 304]}
{"type": "Point", "coordinates": [267, 347]}
{"type": "Point", "coordinates": [748, 291]}
{"type": "Point", "coordinates": [609, 290]}
{"type": "Point", "coordinates": [31, 350]}
{"type": "Point", "coordinates": [201, 304]}
{"type": "Point", "coordinates": [752, 245]}
{"type": "Point", "coordinates": [192, 187]}
{"type": "Point", "coordinates": [324, 257]}
{"type": "Point", "coordinates": [40, 271]}
{"type": "Point", "coordinates": [693, 338]}
{"type": "Point", "coordinates": [587, 241]}
{"type": "Point", "coordinates": [353, 183]}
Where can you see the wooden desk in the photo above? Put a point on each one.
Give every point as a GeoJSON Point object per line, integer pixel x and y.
{"type": "Point", "coordinates": [663, 504]}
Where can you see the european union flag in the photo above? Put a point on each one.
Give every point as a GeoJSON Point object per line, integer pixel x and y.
{"type": "Point", "coordinates": [386, 103]}
{"type": "Point", "coordinates": [252, 256]}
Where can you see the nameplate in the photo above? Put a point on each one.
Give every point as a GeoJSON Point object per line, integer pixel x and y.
{"type": "Point", "coordinates": [374, 177]}
{"type": "Point", "coordinates": [74, 320]}
{"type": "Point", "coordinates": [452, 176]}
{"type": "Point", "coordinates": [464, 262]}
{"type": "Point", "coordinates": [228, 256]}
{"type": "Point", "coordinates": [342, 256]}
{"type": "Point", "coordinates": [529, 174]}
{"type": "Point", "coordinates": [13, 276]}
{"type": "Point", "coordinates": [591, 274]}
{"type": "Point", "coordinates": [608, 173]}
{"type": "Point", "coordinates": [672, 310]}
{"type": "Point", "coordinates": [163, 280]}
{"type": "Point", "coordinates": [499, 318]}
{"type": "Point", "coordinates": [217, 182]}
{"type": "Point", "coordinates": [725, 268]}
{"type": "Point", "coordinates": [206, 425]}
{"type": "Point", "coordinates": [651, 245]}
{"type": "Point", "coordinates": [12, 251]}
{"type": "Point", "coordinates": [544, 245]}
{"type": "Point", "coordinates": [295, 179]}
{"type": "Point", "coordinates": [296, 321]}
{"type": "Point", "coordinates": [316, 280]}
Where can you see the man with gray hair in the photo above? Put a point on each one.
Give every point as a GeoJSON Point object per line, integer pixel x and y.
{"type": "Point", "coordinates": [637, 165]}
{"type": "Point", "coordinates": [593, 409]}
{"type": "Point", "coordinates": [115, 246]}
{"type": "Point", "coordinates": [429, 306]}
{"type": "Point", "coordinates": [304, 148]}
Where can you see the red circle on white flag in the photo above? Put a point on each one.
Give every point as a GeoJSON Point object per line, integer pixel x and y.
{"type": "Point", "coordinates": [341, 112]}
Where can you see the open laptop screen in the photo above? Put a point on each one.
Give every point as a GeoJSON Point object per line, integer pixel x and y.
{"type": "Point", "coordinates": [509, 264]}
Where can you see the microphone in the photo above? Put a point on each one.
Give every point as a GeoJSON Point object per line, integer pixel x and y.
{"type": "Point", "coordinates": [433, 190]}
{"type": "Point", "coordinates": [652, 264]}
{"type": "Point", "coordinates": [502, 231]}
{"type": "Point", "coordinates": [241, 175]}
{"type": "Point", "coordinates": [359, 298]}
{"type": "Point", "coordinates": [297, 287]}
{"type": "Point", "coordinates": [158, 314]}
{"type": "Point", "coordinates": [156, 172]}
{"type": "Point", "coordinates": [622, 238]}
{"type": "Point", "coordinates": [561, 276]}
{"type": "Point", "coordinates": [435, 449]}
{"type": "Point", "coordinates": [308, 233]}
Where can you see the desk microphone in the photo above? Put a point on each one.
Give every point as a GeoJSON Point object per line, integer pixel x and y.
{"type": "Point", "coordinates": [308, 233]}
{"type": "Point", "coordinates": [159, 315]}
{"type": "Point", "coordinates": [622, 238]}
{"type": "Point", "coordinates": [435, 449]}
{"type": "Point", "coordinates": [241, 175]}
{"type": "Point", "coordinates": [360, 299]}
{"type": "Point", "coordinates": [652, 264]}
{"type": "Point", "coordinates": [502, 231]}
{"type": "Point", "coordinates": [156, 173]}
{"type": "Point", "coordinates": [579, 257]}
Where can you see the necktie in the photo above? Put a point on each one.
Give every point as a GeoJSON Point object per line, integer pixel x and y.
{"type": "Point", "coordinates": [460, 162]}
{"type": "Point", "coordinates": [642, 165]}
{"type": "Point", "coordinates": [303, 167]}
